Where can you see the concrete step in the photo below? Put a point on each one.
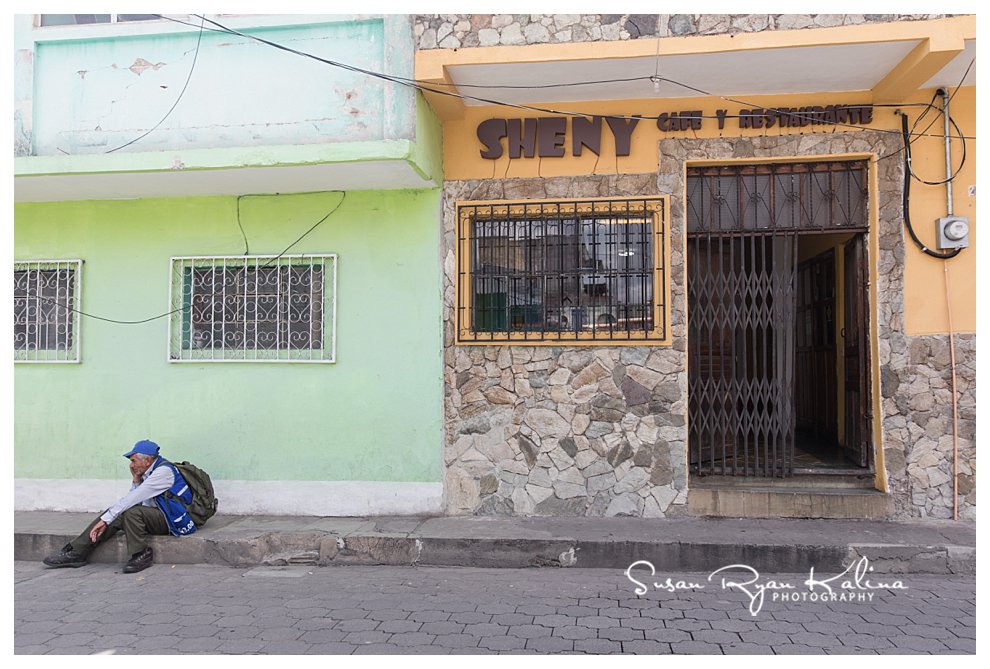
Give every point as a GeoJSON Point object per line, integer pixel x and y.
{"type": "Point", "coordinates": [788, 502]}
{"type": "Point", "coordinates": [825, 481]}
{"type": "Point", "coordinates": [671, 544]}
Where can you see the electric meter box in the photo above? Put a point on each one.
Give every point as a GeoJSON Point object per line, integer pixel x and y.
{"type": "Point", "coordinates": [952, 232]}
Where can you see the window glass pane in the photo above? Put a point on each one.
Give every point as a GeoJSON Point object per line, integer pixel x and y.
{"type": "Point", "coordinates": [73, 19]}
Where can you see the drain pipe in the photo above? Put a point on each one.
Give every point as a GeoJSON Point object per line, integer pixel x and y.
{"type": "Point", "coordinates": [948, 306]}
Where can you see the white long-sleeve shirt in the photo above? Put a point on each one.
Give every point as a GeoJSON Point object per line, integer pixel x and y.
{"type": "Point", "coordinates": [152, 485]}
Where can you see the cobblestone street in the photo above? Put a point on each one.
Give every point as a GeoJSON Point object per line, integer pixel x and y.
{"type": "Point", "coordinates": [436, 610]}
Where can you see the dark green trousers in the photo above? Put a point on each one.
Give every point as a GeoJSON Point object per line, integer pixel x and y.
{"type": "Point", "coordinates": [137, 523]}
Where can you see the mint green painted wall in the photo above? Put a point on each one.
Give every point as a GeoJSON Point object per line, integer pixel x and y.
{"type": "Point", "coordinates": [375, 414]}
{"type": "Point", "coordinates": [95, 91]}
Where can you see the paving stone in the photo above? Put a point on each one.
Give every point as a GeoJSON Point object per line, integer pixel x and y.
{"type": "Point", "coordinates": [509, 619]}
{"type": "Point", "coordinates": [620, 634]}
{"type": "Point", "coordinates": [457, 641]}
{"type": "Point", "coordinates": [357, 625]}
{"type": "Point", "coordinates": [550, 644]}
{"type": "Point", "coordinates": [618, 613]}
{"type": "Point", "coordinates": [646, 647]}
{"type": "Point", "coordinates": [429, 616]}
{"type": "Point", "coordinates": [412, 639]}
{"type": "Point", "coordinates": [695, 648]}
{"type": "Point", "coordinates": [779, 626]}
{"type": "Point", "coordinates": [796, 649]}
{"type": "Point", "coordinates": [554, 620]}
{"type": "Point", "coordinates": [471, 617]}
{"type": "Point", "coordinates": [242, 646]}
{"type": "Point", "coordinates": [814, 639]}
{"type": "Point", "coordinates": [485, 629]}
{"type": "Point", "coordinates": [390, 614]}
{"type": "Point", "coordinates": [366, 637]}
{"type": "Point", "coordinates": [399, 626]}
{"type": "Point", "coordinates": [731, 625]}
{"type": "Point", "coordinates": [745, 649]}
{"type": "Point", "coordinates": [642, 623]}
{"type": "Point", "coordinates": [323, 636]}
{"type": "Point", "coordinates": [500, 643]}
{"type": "Point", "coordinates": [529, 631]}
{"type": "Point", "coordinates": [200, 645]}
{"type": "Point", "coordinates": [962, 645]}
{"type": "Point", "coordinates": [575, 632]}
{"type": "Point", "coordinates": [388, 649]}
{"type": "Point", "coordinates": [536, 609]}
{"type": "Point", "coordinates": [715, 636]}
{"type": "Point", "coordinates": [331, 648]}
{"type": "Point", "coordinates": [885, 618]}
{"type": "Point", "coordinates": [919, 643]}
{"type": "Point", "coordinates": [765, 638]}
{"type": "Point", "coordinates": [597, 622]}
{"type": "Point", "coordinates": [930, 631]}
{"type": "Point", "coordinates": [705, 614]}
{"type": "Point", "coordinates": [864, 641]}
{"type": "Point", "coordinates": [661, 614]}
{"type": "Point", "coordinates": [667, 635]}
{"type": "Point", "coordinates": [688, 625]}
{"type": "Point", "coordinates": [246, 632]}
{"type": "Point", "coordinates": [31, 650]}
{"type": "Point", "coordinates": [598, 646]}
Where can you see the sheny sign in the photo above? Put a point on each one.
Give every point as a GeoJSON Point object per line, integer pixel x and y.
{"type": "Point", "coordinates": [547, 136]}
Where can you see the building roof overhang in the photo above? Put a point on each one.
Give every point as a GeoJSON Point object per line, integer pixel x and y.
{"type": "Point", "coordinates": [890, 61]}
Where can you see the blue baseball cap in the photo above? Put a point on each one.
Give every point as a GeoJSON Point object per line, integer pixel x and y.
{"type": "Point", "coordinates": [145, 447]}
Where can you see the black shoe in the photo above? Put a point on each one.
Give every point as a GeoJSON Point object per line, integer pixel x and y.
{"type": "Point", "coordinates": [139, 561]}
{"type": "Point", "coordinates": [67, 557]}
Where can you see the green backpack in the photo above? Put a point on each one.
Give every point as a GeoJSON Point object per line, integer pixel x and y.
{"type": "Point", "coordinates": [204, 502]}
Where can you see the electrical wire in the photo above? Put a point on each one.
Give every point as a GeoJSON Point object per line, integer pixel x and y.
{"type": "Point", "coordinates": [930, 106]}
{"type": "Point", "coordinates": [431, 87]}
{"type": "Point", "coordinates": [66, 307]}
{"type": "Point", "coordinates": [906, 201]}
{"type": "Point", "coordinates": [192, 68]}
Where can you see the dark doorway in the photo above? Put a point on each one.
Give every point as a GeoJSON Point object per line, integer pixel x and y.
{"type": "Point", "coordinates": [777, 319]}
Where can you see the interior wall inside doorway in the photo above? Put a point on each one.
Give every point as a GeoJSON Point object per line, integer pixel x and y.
{"type": "Point", "coordinates": [810, 246]}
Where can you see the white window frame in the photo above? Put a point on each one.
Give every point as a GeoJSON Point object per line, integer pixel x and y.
{"type": "Point", "coordinates": [113, 20]}
{"type": "Point", "coordinates": [179, 349]}
{"type": "Point", "coordinates": [46, 355]}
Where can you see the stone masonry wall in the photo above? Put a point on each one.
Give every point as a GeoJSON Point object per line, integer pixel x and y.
{"type": "Point", "coordinates": [916, 386]}
{"type": "Point", "coordinates": [564, 430]}
{"type": "Point", "coordinates": [601, 430]}
{"type": "Point", "coordinates": [455, 31]}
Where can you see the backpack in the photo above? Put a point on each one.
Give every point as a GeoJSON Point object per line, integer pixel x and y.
{"type": "Point", "coordinates": [204, 502]}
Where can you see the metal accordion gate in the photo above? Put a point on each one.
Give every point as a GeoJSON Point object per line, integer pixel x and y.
{"type": "Point", "coordinates": [744, 223]}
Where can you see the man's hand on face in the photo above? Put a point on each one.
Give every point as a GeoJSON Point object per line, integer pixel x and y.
{"type": "Point", "coordinates": [97, 531]}
{"type": "Point", "coordinates": [138, 467]}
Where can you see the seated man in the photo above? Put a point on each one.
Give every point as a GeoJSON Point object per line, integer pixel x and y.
{"type": "Point", "coordinates": [156, 504]}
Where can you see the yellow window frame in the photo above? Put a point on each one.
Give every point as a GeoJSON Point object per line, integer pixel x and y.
{"type": "Point", "coordinates": [656, 208]}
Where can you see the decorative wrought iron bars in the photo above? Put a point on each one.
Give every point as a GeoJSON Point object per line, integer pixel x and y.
{"type": "Point", "coordinates": [743, 225]}
{"type": "Point", "coordinates": [253, 309]}
{"type": "Point", "coordinates": [588, 271]}
{"type": "Point", "coordinates": [46, 310]}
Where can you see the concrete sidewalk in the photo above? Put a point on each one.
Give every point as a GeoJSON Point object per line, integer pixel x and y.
{"type": "Point", "coordinates": [682, 544]}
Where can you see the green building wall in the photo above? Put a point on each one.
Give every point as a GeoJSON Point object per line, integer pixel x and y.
{"type": "Point", "coordinates": [372, 416]}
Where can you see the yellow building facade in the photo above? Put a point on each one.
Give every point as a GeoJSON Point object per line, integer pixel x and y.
{"type": "Point", "coordinates": [694, 273]}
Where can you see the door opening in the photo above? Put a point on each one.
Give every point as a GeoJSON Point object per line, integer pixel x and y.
{"type": "Point", "coordinates": [777, 320]}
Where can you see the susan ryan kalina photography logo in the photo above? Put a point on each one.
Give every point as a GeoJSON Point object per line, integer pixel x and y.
{"type": "Point", "coordinates": [851, 585]}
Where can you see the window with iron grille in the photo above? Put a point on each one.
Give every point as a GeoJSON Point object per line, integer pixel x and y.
{"type": "Point", "coordinates": [253, 309]}
{"type": "Point", "coordinates": [586, 271]}
{"type": "Point", "coordinates": [46, 310]}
